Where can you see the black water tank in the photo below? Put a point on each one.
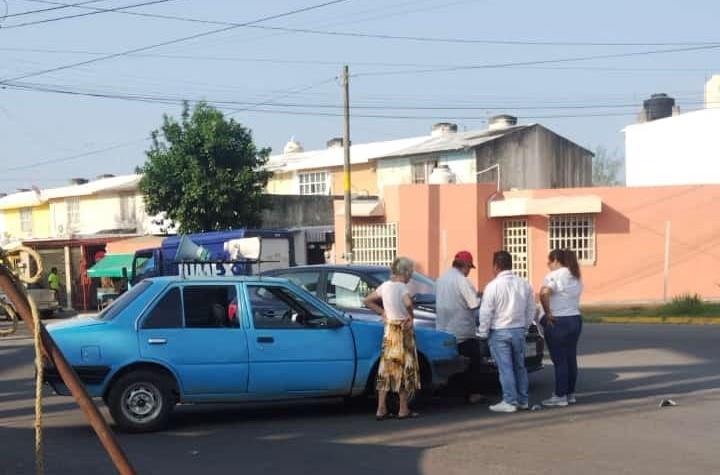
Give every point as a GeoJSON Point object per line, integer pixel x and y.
{"type": "Point", "coordinates": [658, 106]}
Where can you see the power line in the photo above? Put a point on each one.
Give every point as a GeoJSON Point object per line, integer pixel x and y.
{"type": "Point", "coordinates": [170, 42]}
{"type": "Point", "coordinates": [338, 62]}
{"type": "Point", "coordinates": [538, 62]}
{"type": "Point", "coordinates": [78, 15]}
{"type": "Point", "coordinates": [59, 7]}
{"type": "Point", "coordinates": [72, 157]}
{"type": "Point", "coordinates": [386, 105]}
{"type": "Point", "coordinates": [126, 144]}
{"type": "Point", "coordinates": [431, 39]}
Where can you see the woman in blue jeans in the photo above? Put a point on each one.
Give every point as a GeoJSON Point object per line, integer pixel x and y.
{"type": "Point", "coordinates": [560, 299]}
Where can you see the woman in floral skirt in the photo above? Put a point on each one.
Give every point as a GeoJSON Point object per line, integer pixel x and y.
{"type": "Point", "coordinates": [399, 371]}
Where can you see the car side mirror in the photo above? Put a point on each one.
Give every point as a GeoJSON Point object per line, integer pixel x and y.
{"type": "Point", "coordinates": [334, 323]}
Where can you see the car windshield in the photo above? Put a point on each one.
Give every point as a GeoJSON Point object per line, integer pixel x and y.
{"type": "Point", "coordinates": [114, 309]}
{"type": "Point", "coordinates": [419, 283]}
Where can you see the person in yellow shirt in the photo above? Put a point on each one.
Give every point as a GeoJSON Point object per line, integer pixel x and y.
{"type": "Point", "coordinates": [54, 281]}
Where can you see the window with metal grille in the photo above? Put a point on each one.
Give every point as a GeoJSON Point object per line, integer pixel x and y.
{"type": "Point", "coordinates": [26, 220]}
{"type": "Point", "coordinates": [73, 213]}
{"type": "Point", "coordinates": [421, 171]}
{"type": "Point", "coordinates": [127, 207]}
{"type": "Point", "coordinates": [515, 241]}
{"type": "Point", "coordinates": [576, 232]}
{"type": "Point", "coordinates": [375, 244]}
{"type": "Point", "coordinates": [313, 183]}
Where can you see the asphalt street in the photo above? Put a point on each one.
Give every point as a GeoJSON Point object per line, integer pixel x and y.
{"type": "Point", "coordinates": [616, 427]}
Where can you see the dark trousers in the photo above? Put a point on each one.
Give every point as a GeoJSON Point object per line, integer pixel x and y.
{"type": "Point", "coordinates": [470, 379]}
{"type": "Point", "coordinates": [562, 340]}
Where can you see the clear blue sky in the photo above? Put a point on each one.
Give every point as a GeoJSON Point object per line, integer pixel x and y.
{"type": "Point", "coordinates": [40, 126]}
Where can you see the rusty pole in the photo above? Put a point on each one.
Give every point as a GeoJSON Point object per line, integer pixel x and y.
{"type": "Point", "coordinates": [71, 380]}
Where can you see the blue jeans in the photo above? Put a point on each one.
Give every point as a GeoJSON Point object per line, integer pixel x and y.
{"type": "Point", "coordinates": [507, 347]}
{"type": "Point", "coordinates": [562, 340]}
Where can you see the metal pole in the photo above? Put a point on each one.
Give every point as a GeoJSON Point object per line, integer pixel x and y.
{"type": "Point", "coordinates": [666, 271]}
{"type": "Point", "coordinates": [347, 184]}
{"type": "Point", "coordinates": [53, 353]}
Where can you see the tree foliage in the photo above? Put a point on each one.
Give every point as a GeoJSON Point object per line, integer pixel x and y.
{"type": "Point", "coordinates": [607, 168]}
{"type": "Point", "coordinates": [205, 172]}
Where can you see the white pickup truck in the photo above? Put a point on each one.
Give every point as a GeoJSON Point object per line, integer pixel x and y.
{"type": "Point", "coordinates": [45, 300]}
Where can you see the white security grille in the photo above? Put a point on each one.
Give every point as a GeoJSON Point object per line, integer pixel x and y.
{"type": "Point", "coordinates": [26, 220]}
{"type": "Point", "coordinates": [515, 241]}
{"type": "Point", "coordinates": [73, 213]}
{"type": "Point", "coordinates": [576, 232]}
{"type": "Point", "coordinates": [375, 244]}
{"type": "Point", "coordinates": [313, 183]}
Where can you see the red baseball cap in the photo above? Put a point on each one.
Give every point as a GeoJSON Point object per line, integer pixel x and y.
{"type": "Point", "coordinates": [465, 257]}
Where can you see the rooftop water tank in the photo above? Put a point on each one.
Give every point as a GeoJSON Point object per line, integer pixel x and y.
{"type": "Point", "coordinates": [443, 128]}
{"type": "Point", "coordinates": [442, 175]}
{"type": "Point", "coordinates": [658, 106]}
{"type": "Point", "coordinates": [502, 121]}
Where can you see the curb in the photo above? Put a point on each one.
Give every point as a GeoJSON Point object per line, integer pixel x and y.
{"type": "Point", "coordinates": [658, 320]}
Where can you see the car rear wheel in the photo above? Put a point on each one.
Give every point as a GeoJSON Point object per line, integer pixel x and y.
{"type": "Point", "coordinates": [141, 401]}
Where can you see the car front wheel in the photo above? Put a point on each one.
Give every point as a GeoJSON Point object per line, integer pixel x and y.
{"type": "Point", "coordinates": [141, 401]}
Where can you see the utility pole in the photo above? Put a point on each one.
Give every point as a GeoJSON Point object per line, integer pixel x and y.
{"type": "Point", "coordinates": [347, 184]}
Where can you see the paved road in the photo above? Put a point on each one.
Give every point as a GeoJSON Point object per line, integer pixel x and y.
{"type": "Point", "coordinates": [616, 427]}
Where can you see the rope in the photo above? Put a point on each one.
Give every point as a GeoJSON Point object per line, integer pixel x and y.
{"type": "Point", "coordinates": [13, 318]}
{"type": "Point", "coordinates": [39, 452]}
{"type": "Point", "coordinates": [37, 340]}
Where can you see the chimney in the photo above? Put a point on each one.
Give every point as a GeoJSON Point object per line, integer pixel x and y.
{"type": "Point", "coordinates": [105, 175]}
{"type": "Point", "coordinates": [78, 181]}
{"type": "Point", "coordinates": [334, 142]}
{"type": "Point", "coordinates": [502, 121]}
{"type": "Point", "coordinates": [443, 128]}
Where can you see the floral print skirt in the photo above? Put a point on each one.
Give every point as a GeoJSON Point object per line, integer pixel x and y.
{"type": "Point", "coordinates": [399, 369]}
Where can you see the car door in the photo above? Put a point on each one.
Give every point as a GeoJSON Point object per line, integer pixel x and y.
{"type": "Point", "coordinates": [297, 347]}
{"type": "Point", "coordinates": [194, 329]}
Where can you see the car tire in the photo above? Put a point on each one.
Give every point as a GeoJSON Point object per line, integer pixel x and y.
{"type": "Point", "coordinates": [141, 401]}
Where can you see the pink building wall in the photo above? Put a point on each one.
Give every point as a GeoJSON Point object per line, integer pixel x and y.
{"type": "Point", "coordinates": [435, 221]}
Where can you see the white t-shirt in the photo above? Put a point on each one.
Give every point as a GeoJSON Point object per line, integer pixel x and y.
{"type": "Point", "coordinates": [456, 303]}
{"type": "Point", "coordinates": [566, 291]}
{"type": "Point", "coordinates": [392, 295]}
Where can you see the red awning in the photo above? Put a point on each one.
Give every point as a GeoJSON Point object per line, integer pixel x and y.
{"type": "Point", "coordinates": [130, 245]}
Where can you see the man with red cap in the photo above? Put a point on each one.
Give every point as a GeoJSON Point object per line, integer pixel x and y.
{"type": "Point", "coordinates": [456, 309]}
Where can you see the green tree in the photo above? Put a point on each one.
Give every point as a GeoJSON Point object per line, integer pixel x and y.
{"type": "Point", "coordinates": [607, 168]}
{"type": "Point", "coordinates": [205, 172]}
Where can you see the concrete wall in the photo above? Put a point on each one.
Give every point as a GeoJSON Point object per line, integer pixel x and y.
{"type": "Point", "coordinates": [630, 243]}
{"type": "Point", "coordinates": [294, 210]}
{"type": "Point", "coordinates": [535, 158]}
{"type": "Point", "coordinates": [435, 221]}
{"type": "Point", "coordinates": [40, 223]}
{"type": "Point", "coordinates": [679, 150]}
{"type": "Point", "coordinates": [282, 184]}
{"type": "Point", "coordinates": [98, 213]}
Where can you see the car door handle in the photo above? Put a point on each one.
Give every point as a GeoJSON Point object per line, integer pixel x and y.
{"type": "Point", "coordinates": [265, 339]}
{"type": "Point", "coordinates": [157, 341]}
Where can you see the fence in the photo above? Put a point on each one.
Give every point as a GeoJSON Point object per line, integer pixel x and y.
{"type": "Point", "coordinates": [375, 244]}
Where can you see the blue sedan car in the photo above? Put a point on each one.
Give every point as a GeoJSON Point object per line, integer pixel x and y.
{"type": "Point", "coordinates": [171, 340]}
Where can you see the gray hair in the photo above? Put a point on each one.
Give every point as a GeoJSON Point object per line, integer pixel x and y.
{"type": "Point", "coordinates": [402, 266]}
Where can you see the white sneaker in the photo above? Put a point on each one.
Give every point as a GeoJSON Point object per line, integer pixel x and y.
{"type": "Point", "coordinates": [556, 401]}
{"type": "Point", "coordinates": [523, 407]}
{"type": "Point", "coordinates": [571, 398]}
{"type": "Point", "coordinates": [503, 406]}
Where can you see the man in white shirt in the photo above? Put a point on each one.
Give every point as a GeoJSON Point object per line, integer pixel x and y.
{"type": "Point", "coordinates": [508, 309]}
{"type": "Point", "coordinates": [456, 302]}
